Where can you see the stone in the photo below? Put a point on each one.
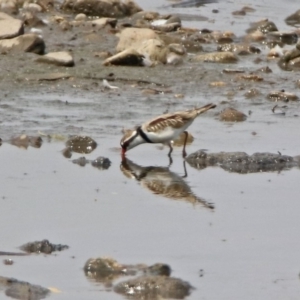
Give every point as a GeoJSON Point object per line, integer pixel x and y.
{"type": "Point", "coordinates": [217, 57]}
{"type": "Point", "coordinates": [128, 57]}
{"type": "Point", "coordinates": [10, 28]}
{"type": "Point", "coordinates": [232, 115]}
{"type": "Point", "coordinates": [154, 287]}
{"type": "Point", "coordinates": [241, 162]}
{"type": "Point", "coordinates": [102, 8]}
{"type": "Point", "coordinates": [4, 16]}
{"type": "Point", "coordinates": [64, 59]}
{"type": "Point", "coordinates": [131, 37]}
{"type": "Point", "coordinates": [24, 43]}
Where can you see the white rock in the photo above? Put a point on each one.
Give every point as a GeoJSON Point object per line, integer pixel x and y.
{"type": "Point", "coordinates": [10, 28]}
{"type": "Point", "coordinates": [58, 58]}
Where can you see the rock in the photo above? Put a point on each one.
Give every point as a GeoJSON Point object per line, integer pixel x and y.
{"type": "Point", "coordinates": [64, 59]}
{"type": "Point", "coordinates": [81, 161]}
{"type": "Point", "coordinates": [133, 37]}
{"type": "Point", "coordinates": [102, 268]}
{"type": "Point", "coordinates": [9, 6]}
{"type": "Point", "coordinates": [24, 43]}
{"type": "Point", "coordinates": [250, 77]}
{"type": "Point", "coordinates": [252, 93]}
{"type": "Point", "coordinates": [4, 16]}
{"type": "Point", "coordinates": [217, 57]}
{"type": "Point", "coordinates": [102, 8]}
{"type": "Point", "coordinates": [283, 37]}
{"type": "Point", "coordinates": [24, 141]}
{"type": "Point", "coordinates": [293, 19]}
{"type": "Point", "coordinates": [81, 144]}
{"type": "Point", "coordinates": [10, 28]}
{"type": "Point", "coordinates": [282, 96]}
{"type": "Point", "coordinates": [128, 57]}
{"type": "Point", "coordinates": [263, 26]}
{"type": "Point", "coordinates": [240, 49]}
{"type": "Point", "coordinates": [287, 60]}
{"type": "Point", "coordinates": [16, 289]}
{"type": "Point", "coordinates": [241, 162]}
{"type": "Point", "coordinates": [232, 115]}
{"type": "Point", "coordinates": [102, 22]}
{"type": "Point", "coordinates": [43, 246]}
{"type": "Point", "coordinates": [154, 287]}
{"type": "Point", "coordinates": [101, 163]}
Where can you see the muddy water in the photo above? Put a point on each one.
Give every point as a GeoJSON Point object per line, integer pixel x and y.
{"type": "Point", "coordinates": [247, 247]}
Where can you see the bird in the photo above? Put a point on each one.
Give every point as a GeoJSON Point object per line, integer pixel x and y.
{"type": "Point", "coordinates": [161, 181]}
{"type": "Point", "coordinates": [163, 129]}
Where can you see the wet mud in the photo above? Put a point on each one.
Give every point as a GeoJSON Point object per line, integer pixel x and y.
{"type": "Point", "coordinates": [225, 218]}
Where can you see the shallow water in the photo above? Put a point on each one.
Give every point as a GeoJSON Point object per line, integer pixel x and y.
{"type": "Point", "coordinates": [247, 247]}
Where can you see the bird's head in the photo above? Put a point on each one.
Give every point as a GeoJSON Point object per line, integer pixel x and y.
{"type": "Point", "coordinates": [130, 139]}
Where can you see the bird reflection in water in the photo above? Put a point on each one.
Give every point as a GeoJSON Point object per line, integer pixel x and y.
{"type": "Point", "coordinates": [162, 181]}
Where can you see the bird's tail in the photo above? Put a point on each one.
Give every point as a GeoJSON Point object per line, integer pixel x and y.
{"type": "Point", "coordinates": [204, 108]}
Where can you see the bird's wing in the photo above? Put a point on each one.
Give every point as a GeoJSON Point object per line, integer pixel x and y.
{"type": "Point", "coordinates": [175, 120]}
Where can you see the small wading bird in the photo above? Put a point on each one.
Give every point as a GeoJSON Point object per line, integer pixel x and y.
{"type": "Point", "coordinates": [163, 129]}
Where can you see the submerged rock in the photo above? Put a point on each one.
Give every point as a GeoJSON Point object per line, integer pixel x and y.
{"type": "Point", "coordinates": [154, 287]}
{"type": "Point", "coordinates": [102, 163]}
{"type": "Point", "coordinates": [282, 96]}
{"type": "Point", "coordinates": [81, 144]}
{"type": "Point", "coordinates": [22, 290]}
{"type": "Point", "coordinates": [43, 246]}
{"type": "Point", "coordinates": [293, 19]}
{"type": "Point", "coordinates": [217, 57]}
{"type": "Point", "coordinates": [232, 115]}
{"type": "Point", "coordinates": [241, 162]}
{"type": "Point", "coordinates": [104, 268]}
{"type": "Point", "coordinates": [24, 141]}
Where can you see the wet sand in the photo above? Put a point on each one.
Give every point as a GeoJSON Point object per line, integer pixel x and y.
{"type": "Point", "coordinates": [247, 247]}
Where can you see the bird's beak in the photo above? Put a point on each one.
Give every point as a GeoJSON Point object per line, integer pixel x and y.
{"type": "Point", "coordinates": [123, 152]}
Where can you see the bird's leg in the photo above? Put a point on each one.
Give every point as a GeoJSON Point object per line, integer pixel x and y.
{"type": "Point", "coordinates": [169, 154]}
{"type": "Point", "coordinates": [185, 140]}
{"type": "Point", "coordinates": [184, 168]}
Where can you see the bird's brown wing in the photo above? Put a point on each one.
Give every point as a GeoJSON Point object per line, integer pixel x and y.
{"type": "Point", "coordinates": [175, 120]}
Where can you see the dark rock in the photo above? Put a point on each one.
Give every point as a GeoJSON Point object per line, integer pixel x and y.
{"type": "Point", "coordinates": [279, 37]}
{"type": "Point", "coordinates": [81, 161]}
{"type": "Point", "coordinates": [158, 270]}
{"type": "Point", "coordinates": [252, 93]}
{"type": "Point", "coordinates": [101, 8]}
{"type": "Point", "coordinates": [282, 96]}
{"type": "Point", "coordinates": [43, 246]}
{"type": "Point", "coordinates": [263, 26]}
{"type": "Point", "coordinates": [154, 287]}
{"type": "Point", "coordinates": [286, 61]}
{"type": "Point", "coordinates": [24, 141]}
{"type": "Point", "coordinates": [293, 19]}
{"type": "Point", "coordinates": [241, 162]}
{"type": "Point", "coordinates": [101, 163]}
{"type": "Point", "coordinates": [22, 290]}
{"type": "Point", "coordinates": [81, 144]}
{"type": "Point", "coordinates": [240, 49]}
